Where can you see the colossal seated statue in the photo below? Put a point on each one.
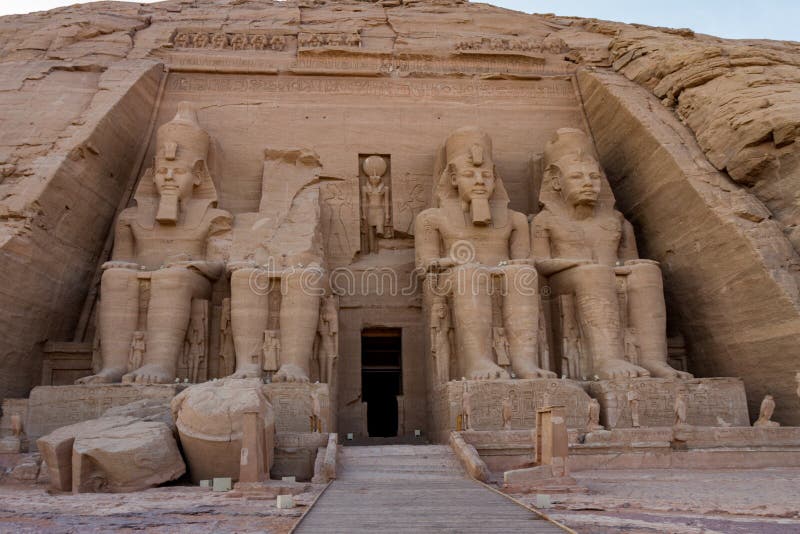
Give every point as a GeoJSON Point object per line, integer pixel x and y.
{"type": "Point", "coordinates": [276, 275]}
{"type": "Point", "coordinates": [171, 241]}
{"type": "Point", "coordinates": [298, 315]}
{"type": "Point", "coordinates": [582, 245]}
{"type": "Point", "coordinates": [474, 245]}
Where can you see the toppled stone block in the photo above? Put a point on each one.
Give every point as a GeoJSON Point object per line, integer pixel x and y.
{"type": "Point", "coordinates": [209, 418]}
{"type": "Point", "coordinates": [127, 458]}
{"type": "Point", "coordinates": [113, 454]}
{"type": "Point", "coordinates": [52, 407]}
{"type": "Point", "coordinates": [27, 470]}
{"type": "Point", "coordinates": [154, 410]}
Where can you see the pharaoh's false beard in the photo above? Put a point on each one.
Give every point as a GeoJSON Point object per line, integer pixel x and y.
{"type": "Point", "coordinates": [481, 211]}
{"type": "Point", "coordinates": [168, 208]}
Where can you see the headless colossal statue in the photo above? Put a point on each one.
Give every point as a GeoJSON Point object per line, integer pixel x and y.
{"type": "Point", "coordinates": [581, 245]}
{"type": "Point", "coordinates": [470, 239]}
{"type": "Point", "coordinates": [171, 237]}
{"type": "Point", "coordinates": [299, 314]}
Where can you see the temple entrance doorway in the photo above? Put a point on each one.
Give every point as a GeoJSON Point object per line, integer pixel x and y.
{"type": "Point", "coordinates": [381, 378]}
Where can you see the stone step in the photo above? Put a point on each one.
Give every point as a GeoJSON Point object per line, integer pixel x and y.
{"type": "Point", "coordinates": [408, 488]}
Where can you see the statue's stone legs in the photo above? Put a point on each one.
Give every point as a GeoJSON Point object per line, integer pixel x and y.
{"type": "Point", "coordinates": [249, 315]}
{"type": "Point", "coordinates": [648, 315]}
{"type": "Point", "coordinates": [299, 317]}
{"type": "Point", "coordinates": [594, 287]}
{"type": "Point", "coordinates": [119, 312]}
{"type": "Point", "coordinates": [521, 319]}
{"type": "Point", "coordinates": [472, 310]}
{"type": "Point", "coordinates": [171, 292]}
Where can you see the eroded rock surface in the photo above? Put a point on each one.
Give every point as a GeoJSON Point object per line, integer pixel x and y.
{"type": "Point", "coordinates": [111, 454]}
{"type": "Point", "coordinates": [81, 91]}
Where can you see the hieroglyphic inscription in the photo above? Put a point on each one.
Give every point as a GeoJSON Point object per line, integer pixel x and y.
{"type": "Point", "coordinates": [292, 405]}
{"type": "Point", "coordinates": [51, 407]}
{"type": "Point", "coordinates": [527, 396]}
{"type": "Point", "coordinates": [340, 220]}
{"type": "Point", "coordinates": [462, 63]}
{"type": "Point", "coordinates": [707, 400]}
{"type": "Point", "coordinates": [543, 92]}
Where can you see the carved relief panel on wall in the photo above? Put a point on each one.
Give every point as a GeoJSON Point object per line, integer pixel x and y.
{"type": "Point", "coordinates": [229, 40]}
{"type": "Point", "coordinates": [376, 212]}
{"type": "Point", "coordinates": [340, 220]}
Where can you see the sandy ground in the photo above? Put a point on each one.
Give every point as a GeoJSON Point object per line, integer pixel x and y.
{"type": "Point", "coordinates": [740, 501]}
{"type": "Point", "coordinates": [175, 509]}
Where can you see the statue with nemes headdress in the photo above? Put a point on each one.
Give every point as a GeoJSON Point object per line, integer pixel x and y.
{"type": "Point", "coordinates": [581, 243]}
{"type": "Point", "coordinates": [174, 237]}
{"type": "Point", "coordinates": [473, 244]}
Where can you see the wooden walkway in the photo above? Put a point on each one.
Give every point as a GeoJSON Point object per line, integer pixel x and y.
{"type": "Point", "coordinates": [413, 488]}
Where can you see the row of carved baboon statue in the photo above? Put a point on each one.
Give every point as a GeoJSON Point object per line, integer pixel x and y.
{"type": "Point", "coordinates": [171, 246]}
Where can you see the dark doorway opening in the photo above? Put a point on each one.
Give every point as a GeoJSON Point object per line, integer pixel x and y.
{"type": "Point", "coordinates": [381, 378]}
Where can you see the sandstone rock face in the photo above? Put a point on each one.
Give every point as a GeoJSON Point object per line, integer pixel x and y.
{"type": "Point", "coordinates": [153, 410]}
{"type": "Point", "coordinates": [125, 458]}
{"type": "Point", "coordinates": [111, 454]}
{"type": "Point", "coordinates": [298, 94]}
{"type": "Point", "coordinates": [209, 418]}
{"type": "Point", "coordinates": [756, 287]}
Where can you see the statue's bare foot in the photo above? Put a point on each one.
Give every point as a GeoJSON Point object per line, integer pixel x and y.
{"type": "Point", "coordinates": [149, 374]}
{"type": "Point", "coordinates": [610, 369]}
{"type": "Point", "coordinates": [488, 371]}
{"type": "Point", "coordinates": [247, 371]}
{"type": "Point", "coordinates": [662, 370]}
{"type": "Point", "coordinates": [529, 370]}
{"type": "Point", "coordinates": [290, 373]}
{"type": "Point", "coordinates": [105, 376]}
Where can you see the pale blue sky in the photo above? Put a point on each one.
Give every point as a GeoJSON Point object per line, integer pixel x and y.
{"type": "Point", "coordinates": [739, 19]}
{"type": "Point", "coordinates": [735, 19]}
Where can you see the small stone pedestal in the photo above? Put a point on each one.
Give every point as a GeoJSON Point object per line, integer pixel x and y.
{"type": "Point", "coordinates": [710, 401]}
{"type": "Point", "coordinates": [51, 407]}
{"type": "Point", "coordinates": [486, 404]}
{"type": "Point", "coordinates": [293, 405]}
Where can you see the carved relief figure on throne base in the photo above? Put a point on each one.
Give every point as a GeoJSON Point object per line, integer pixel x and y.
{"type": "Point", "coordinates": [581, 244]}
{"type": "Point", "coordinates": [469, 238]}
{"type": "Point", "coordinates": [174, 234]}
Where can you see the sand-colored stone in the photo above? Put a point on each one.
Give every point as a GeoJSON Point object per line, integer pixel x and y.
{"type": "Point", "coordinates": [587, 250]}
{"type": "Point", "coordinates": [706, 400]}
{"type": "Point", "coordinates": [113, 454]}
{"type": "Point", "coordinates": [485, 404]}
{"type": "Point", "coordinates": [294, 407]}
{"type": "Point", "coordinates": [51, 407]}
{"type": "Point", "coordinates": [295, 98]}
{"type": "Point", "coordinates": [626, 120]}
{"type": "Point", "coordinates": [166, 256]}
{"type": "Point", "coordinates": [211, 422]}
{"type": "Point", "coordinates": [125, 458]}
{"type": "Point", "coordinates": [470, 242]}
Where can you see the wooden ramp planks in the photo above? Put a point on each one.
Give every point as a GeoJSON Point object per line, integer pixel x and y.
{"type": "Point", "coordinates": [407, 488]}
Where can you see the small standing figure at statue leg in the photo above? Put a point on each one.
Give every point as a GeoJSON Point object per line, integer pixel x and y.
{"type": "Point", "coordinates": [593, 422]}
{"type": "Point", "coordinates": [507, 413]}
{"type": "Point", "coordinates": [633, 404]}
